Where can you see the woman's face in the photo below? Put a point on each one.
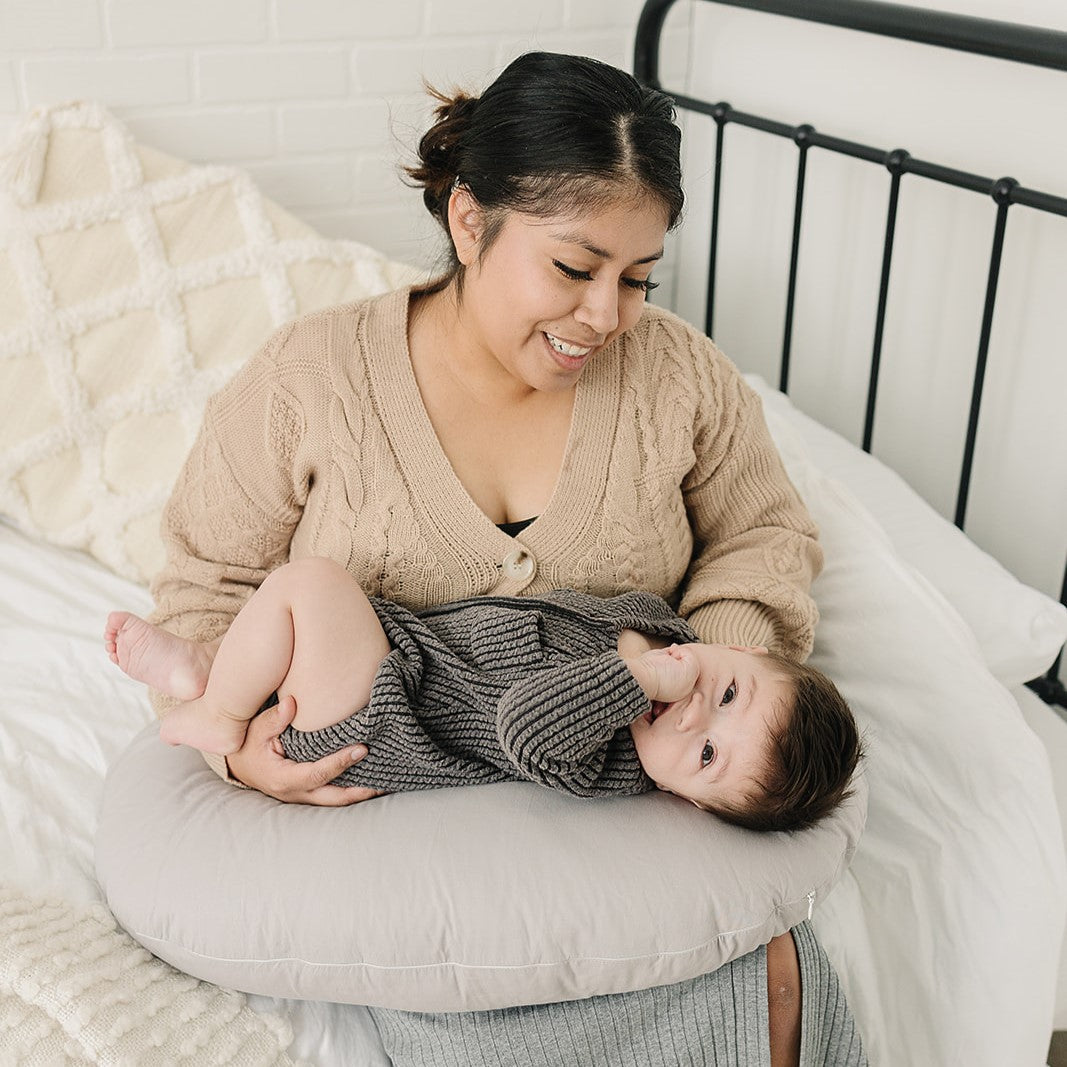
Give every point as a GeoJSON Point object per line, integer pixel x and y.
{"type": "Point", "coordinates": [550, 293]}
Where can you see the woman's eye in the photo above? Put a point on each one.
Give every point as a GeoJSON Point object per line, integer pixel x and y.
{"type": "Point", "coordinates": [571, 272]}
{"type": "Point", "coordinates": [730, 695]}
{"type": "Point", "coordinates": [708, 754]}
{"type": "Point", "coordinates": [643, 285]}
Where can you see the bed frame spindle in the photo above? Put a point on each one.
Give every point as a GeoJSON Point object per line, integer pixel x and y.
{"type": "Point", "coordinates": [1001, 40]}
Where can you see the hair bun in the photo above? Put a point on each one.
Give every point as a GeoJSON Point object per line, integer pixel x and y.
{"type": "Point", "coordinates": [440, 150]}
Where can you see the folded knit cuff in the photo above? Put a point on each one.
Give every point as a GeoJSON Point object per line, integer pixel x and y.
{"type": "Point", "coordinates": [736, 622]}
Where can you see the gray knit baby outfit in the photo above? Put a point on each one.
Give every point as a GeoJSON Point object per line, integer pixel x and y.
{"type": "Point", "coordinates": [494, 689]}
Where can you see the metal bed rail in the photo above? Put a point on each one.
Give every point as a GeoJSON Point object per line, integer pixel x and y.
{"type": "Point", "coordinates": [1024, 44]}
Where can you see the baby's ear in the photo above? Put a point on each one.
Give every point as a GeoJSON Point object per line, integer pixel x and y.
{"type": "Point", "coordinates": [756, 650]}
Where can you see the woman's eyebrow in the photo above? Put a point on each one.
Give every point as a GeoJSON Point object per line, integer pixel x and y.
{"type": "Point", "coordinates": [596, 250]}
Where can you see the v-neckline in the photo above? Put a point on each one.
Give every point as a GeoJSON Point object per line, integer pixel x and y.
{"type": "Point", "coordinates": [433, 481]}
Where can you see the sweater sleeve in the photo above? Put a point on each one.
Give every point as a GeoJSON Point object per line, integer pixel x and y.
{"type": "Point", "coordinates": [756, 547]}
{"type": "Point", "coordinates": [566, 727]}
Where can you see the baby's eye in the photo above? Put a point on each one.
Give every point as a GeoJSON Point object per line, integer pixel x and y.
{"type": "Point", "coordinates": [730, 695]}
{"type": "Point", "coordinates": [707, 754]}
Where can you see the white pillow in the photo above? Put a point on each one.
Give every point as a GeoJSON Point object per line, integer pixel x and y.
{"type": "Point", "coordinates": [1018, 628]}
{"type": "Point", "coordinates": [132, 286]}
{"type": "Point", "coordinates": [949, 918]}
{"type": "Point", "coordinates": [453, 899]}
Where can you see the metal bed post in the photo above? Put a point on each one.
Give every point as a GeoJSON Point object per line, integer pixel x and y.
{"type": "Point", "coordinates": [1024, 44]}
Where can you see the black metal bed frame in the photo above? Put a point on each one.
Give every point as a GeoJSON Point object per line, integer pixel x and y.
{"type": "Point", "coordinates": [1003, 40]}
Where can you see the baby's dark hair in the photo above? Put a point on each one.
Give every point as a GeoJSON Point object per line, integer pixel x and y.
{"type": "Point", "coordinates": [813, 751]}
{"type": "Point", "coordinates": [554, 134]}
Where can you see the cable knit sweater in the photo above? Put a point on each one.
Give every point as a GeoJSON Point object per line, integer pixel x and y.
{"type": "Point", "coordinates": [321, 446]}
{"type": "Point", "coordinates": [500, 689]}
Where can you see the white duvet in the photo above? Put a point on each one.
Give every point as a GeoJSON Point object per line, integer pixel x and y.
{"type": "Point", "coordinates": [946, 930]}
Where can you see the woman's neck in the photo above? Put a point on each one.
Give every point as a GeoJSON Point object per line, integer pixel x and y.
{"type": "Point", "coordinates": [446, 354]}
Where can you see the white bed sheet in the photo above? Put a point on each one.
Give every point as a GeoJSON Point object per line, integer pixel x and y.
{"type": "Point", "coordinates": [68, 712]}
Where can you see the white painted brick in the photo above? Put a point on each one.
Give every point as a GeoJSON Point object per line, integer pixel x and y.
{"type": "Point", "coordinates": [401, 232]}
{"type": "Point", "coordinates": [411, 113]}
{"type": "Point", "coordinates": [209, 136]}
{"type": "Point", "coordinates": [378, 178]}
{"type": "Point", "coordinates": [674, 50]}
{"type": "Point", "coordinates": [9, 94]}
{"type": "Point", "coordinates": [610, 47]}
{"type": "Point", "coordinates": [402, 69]}
{"type": "Point", "coordinates": [9, 122]}
{"type": "Point", "coordinates": [334, 127]}
{"type": "Point", "coordinates": [601, 14]}
{"type": "Point", "coordinates": [30, 24]}
{"type": "Point", "coordinates": [482, 17]}
{"type": "Point", "coordinates": [272, 74]}
{"type": "Point", "coordinates": [164, 22]}
{"type": "Point", "coordinates": [143, 80]}
{"type": "Point", "coordinates": [356, 20]}
{"type": "Point", "coordinates": [303, 183]}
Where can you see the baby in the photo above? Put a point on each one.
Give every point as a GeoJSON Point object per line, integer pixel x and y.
{"type": "Point", "coordinates": [593, 696]}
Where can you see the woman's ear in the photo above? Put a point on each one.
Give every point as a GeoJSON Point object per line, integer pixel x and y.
{"type": "Point", "coordinates": [466, 223]}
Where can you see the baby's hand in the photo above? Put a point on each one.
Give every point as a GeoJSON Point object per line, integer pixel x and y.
{"type": "Point", "coordinates": [669, 673]}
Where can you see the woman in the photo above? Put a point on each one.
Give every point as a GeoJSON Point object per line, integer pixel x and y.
{"type": "Point", "coordinates": [526, 422]}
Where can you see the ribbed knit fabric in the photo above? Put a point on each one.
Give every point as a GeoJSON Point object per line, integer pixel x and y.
{"type": "Point", "coordinates": [321, 446]}
{"type": "Point", "coordinates": [495, 689]}
{"type": "Point", "coordinates": [715, 1020]}
{"type": "Point", "coordinates": [828, 1030]}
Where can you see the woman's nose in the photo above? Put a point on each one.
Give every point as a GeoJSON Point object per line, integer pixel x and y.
{"type": "Point", "coordinates": [599, 309]}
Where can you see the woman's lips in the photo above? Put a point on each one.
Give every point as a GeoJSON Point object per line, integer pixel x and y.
{"type": "Point", "coordinates": [568, 348]}
{"type": "Point", "coordinates": [569, 356]}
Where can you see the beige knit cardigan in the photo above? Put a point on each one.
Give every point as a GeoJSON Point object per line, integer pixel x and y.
{"type": "Point", "coordinates": [321, 446]}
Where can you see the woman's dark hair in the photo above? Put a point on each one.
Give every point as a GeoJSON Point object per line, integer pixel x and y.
{"type": "Point", "coordinates": [553, 134]}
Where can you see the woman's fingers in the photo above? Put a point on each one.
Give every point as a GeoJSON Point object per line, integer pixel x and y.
{"type": "Point", "coordinates": [261, 764]}
{"type": "Point", "coordinates": [276, 719]}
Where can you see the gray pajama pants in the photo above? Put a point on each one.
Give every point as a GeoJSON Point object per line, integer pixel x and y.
{"type": "Point", "coordinates": [716, 1020]}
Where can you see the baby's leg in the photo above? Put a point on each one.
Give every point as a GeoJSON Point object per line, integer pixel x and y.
{"type": "Point", "coordinates": [308, 630]}
{"type": "Point", "coordinates": [340, 644]}
{"type": "Point", "coordinates": [160, 659]}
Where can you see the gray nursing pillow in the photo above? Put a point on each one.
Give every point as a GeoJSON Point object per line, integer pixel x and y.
{"type": "Point", "coordinates": [449, 900]}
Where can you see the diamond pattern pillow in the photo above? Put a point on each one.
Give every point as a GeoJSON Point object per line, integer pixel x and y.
{"type": "Point", "coordinates": [132, 286]}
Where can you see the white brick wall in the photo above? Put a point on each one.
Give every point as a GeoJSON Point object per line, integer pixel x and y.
{"type": "Point", "coordinates": [320, 100]}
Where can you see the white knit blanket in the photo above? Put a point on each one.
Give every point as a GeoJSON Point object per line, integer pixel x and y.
{"type": "Point", "coordinates": [75, 989]}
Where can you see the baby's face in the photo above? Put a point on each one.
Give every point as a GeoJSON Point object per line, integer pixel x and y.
{"type": "Point", "coordinates": [710, 746]}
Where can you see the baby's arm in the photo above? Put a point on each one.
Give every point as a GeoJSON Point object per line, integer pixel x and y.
{"type": "Point", "coordinates": [566, 726]}
{"type": "Point", "coordinates": [665, 674]}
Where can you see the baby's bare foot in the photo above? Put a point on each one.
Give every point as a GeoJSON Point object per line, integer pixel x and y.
{"type": "Point", "coordinates": [151, 655]}
{"type": "Point", "coordinates": [196, 725]}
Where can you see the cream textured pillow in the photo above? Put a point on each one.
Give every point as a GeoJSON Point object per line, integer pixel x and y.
{"type": "Point", "coordinates": [132, 286]}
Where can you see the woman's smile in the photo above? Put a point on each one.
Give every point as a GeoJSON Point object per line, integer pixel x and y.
{"type": "Point", "coordinates": [571, 357]}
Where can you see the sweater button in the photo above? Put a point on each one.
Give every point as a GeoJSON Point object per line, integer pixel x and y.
{"type": "Point", "coordinates": [518, 564]}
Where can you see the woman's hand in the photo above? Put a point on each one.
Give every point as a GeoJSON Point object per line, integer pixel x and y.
{"type": "Point", "coordinates": [261, 764]}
